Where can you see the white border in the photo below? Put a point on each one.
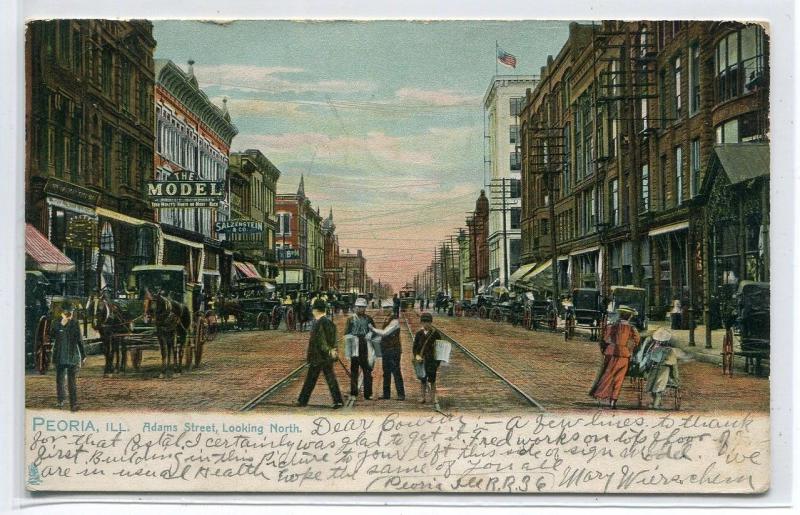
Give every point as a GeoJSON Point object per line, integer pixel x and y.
{"type": "Point", "coordinates": [779, 13]}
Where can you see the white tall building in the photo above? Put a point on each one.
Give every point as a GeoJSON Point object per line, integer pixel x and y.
{"type": "Point", "coordinates": [502, 104]}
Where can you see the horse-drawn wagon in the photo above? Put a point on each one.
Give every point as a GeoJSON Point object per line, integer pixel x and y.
{"type": "Point", "coordinates": [159, 311]}
{"type": "Point", "coordinates": [252, 306]}
{"type": "Point", "coordinates": [633, 297]}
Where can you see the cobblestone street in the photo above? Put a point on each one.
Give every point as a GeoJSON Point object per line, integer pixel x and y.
{"type": "Point", "coordinates": [238, 366]}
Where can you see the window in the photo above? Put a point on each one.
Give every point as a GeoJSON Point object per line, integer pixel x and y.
{"type": "Point", "coordinates": [643, 42]}
{"type": "Point", "coordinates": [516, 215]}
{"type": "Point", "coordinates": [580, 165]}
{"type": "Point", "coordinates": [645, 200]}
{"type": "Point", "coordinates": [678, 175]}
{"type": "Point", "coordinates": [739, 58]}
{"type": "Point", "coordinates": [107, 64]}
{"type": "Point", "coordinates": [514, 160]}
{"type": "Point", "coordinates": [586, 131]}
{"type": "Point", "coordinates": [677, 99]}
{"type": "Point", "coordinates": [126, 85]}
{"type": "Point", "coordinates": [662, 183]}
{"type": "Point", "coordinates": [694, 79]}
{"type": "Point", "coordinates": [515, 186]}
{"type": "Point", "coordinates": [662, 97]}
{"type": "Point", "coordinates": [613, 197]}
{"type": "Point", "coordinates": [728, 132]}
{"type": "Point", "coordinates": [565, 170]}
{"type": "Point", "coordinates": [125, 156]}
{"type": "Point", "coordinates": [694, 167]}
{"type": "Point", "coordinates": [513, 134]}
{"type": "Point", "coordinates": [515, 105]}
{"type": "Point", "coordinates": [108, 143]}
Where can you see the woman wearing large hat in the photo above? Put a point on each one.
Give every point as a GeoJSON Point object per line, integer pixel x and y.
{"type": "Point", "coordinates": [621, 339]}
{"type": "Point", "coordinates": [661, 365]}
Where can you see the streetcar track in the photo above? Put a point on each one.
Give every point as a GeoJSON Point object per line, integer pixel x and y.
{"type": "Point", "coordinates": [261, 397]}
{"type": "Point", "coordinates": [519, 391]}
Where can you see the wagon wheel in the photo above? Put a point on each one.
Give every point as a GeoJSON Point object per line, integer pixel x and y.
{"type": "Point", "coordinates": [213, 324]}
{"type": "Point", "coordinates": [290, 320]}
{"type": "Point", "coordinates": [495, 315]}
{"type": "Point", "coordinates": [263, 321]}
{"type": "Point", "coordinates": [482, 312]}
{"type": "Point", "coordinates": [200, 339]}
{"type": "Point", "coordinates": [42, 345]}
{"type": "Point", "coordinates": [276, 317]}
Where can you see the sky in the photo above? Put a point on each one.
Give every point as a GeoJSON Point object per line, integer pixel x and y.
{"type": "Point", "coordinates": [384, 119]}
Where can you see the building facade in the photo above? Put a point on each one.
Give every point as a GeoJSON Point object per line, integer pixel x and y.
{"type": "Point", "coordinates": [253, 187]}
{"type": "Point", "coordinates": [193, 138]}
{"type": "Point", "coordinates": [354, 272]}
{"type": "Point", "coordinates": [89, 146]}
{"type": "Point", "coordinates": [618, 136]}
{"type": "Point", "coordinates": [291, 240]}
{"type": "Point", "coordinates": [316, 248]}
{"type": "Point", "coordinates": [502, 104]}
{"type": "Point", "coordinates": [331, 268]}
{"type": "Point", "coordinates": [478, 233]}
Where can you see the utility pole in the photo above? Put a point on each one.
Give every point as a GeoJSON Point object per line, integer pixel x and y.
{"type": "Point", "coordinates": [283, 261]}
{"type": "Point", "coordinates": [505, 234]}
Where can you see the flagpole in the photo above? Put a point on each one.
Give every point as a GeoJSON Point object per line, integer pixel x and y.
{"type": "Point", "coordinates": [496, 49]}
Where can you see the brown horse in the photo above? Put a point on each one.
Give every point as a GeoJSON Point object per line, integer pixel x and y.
{"type": "Point", "coordinates": [109, 320]}
{"type": "Point", "coordinates": [171, 319]}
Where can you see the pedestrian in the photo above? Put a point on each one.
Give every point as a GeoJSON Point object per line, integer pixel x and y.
{"type": "Point", "coordinates": [321, 356]}
{"type": "Point", "coordinates": [68, 355]}
{"type": "Point", "coordinates": [618, 344]}
{"type": "Point", "coordinates": [396, 306]}
{"type": "Point", "coordinates": [391, 351]}
{"type": "Point", "coordinates": [675, 314]}
{"type": "Point", "coordinates": [358, 325]}
{"type": "Point", "coordinates": [425, 355]}
{"type": "Point", "coordinates": [421, 304]}
{"type": "Point", "coordinates": [427, 303]}
{"type": "Point", "coordinates": [661, 365]}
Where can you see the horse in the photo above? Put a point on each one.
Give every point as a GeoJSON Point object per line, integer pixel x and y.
{"type": "Point", "coordinates": [171, 319]}
{"type": "Point", "coordinates": [109, 320]}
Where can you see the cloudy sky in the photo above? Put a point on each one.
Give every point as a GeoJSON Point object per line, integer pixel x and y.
{"type": "Point", "coordinates": [384, 119]}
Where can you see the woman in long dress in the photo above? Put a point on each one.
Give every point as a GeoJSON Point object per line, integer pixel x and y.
{"type": "Point", "coordinates": [622, 339]}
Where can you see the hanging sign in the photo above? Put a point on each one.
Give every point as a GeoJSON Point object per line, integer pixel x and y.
{"type": "Point", "coordinates": [239, 227]}
{"type": "Point", "coordinates": [164, 194]}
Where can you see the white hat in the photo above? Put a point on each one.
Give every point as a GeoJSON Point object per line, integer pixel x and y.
{"type": "Point", "coordinates": [662, 334]}
{"type": "Point", "coordinates": [361, 302]}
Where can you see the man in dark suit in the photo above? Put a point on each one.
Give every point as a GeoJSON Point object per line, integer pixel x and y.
{"type": "Point", "coordinates": [424, 349]}
{"type": "Point", "coordinates": [321, 356]}
{"type": "Point", "coordinates": [391, 350]}
{"type": "Point", "coordinates": [396, 306]}
{"type": "Point", "coordinates": [68, 355]}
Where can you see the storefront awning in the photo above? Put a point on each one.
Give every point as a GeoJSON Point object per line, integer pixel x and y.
{"type": "Point", "coordinates": [669, 228]}
{"type": "Point", "coordinates": [182, 241]}
{"type": "Point", "coordinates": [46, 255]}
{"type": "Point", "coordinates": [113, 215]}
{"type": "Point", "coordinates": [584, 251]}
{"type": "Point", "coordinates": [521, 272]}
{"type": "Point", "coordinates": [541, 278]}
{"type": "Point", "coordinates": [246, 270]}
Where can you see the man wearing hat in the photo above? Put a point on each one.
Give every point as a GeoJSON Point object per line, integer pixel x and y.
{"type": "Point", "coordinates": [321, 356]}
{"type": "Point", "coordinates": [358, 326]}
{"type": "Point", "coordinates": [391, 350]}
{"type": "Point", "coordinates": [68, 354]}
{"type": "Point", "coordinates": [621, 339]}
{"type": "Point", "coordinates": [425, 352]}
{"type": "Point", "coordinates": [661, 364]}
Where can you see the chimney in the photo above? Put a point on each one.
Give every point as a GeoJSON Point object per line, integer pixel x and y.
{"type": "Point", "coordinates": [191, 68]}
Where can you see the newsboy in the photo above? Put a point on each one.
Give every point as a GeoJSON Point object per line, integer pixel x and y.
{"type": "Point", "coordinates": [68, 355]}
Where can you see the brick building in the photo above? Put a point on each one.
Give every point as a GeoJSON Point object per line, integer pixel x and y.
{"type": "Point", "coordinates": [478, 232]}
{"type": "Point", "coordinates": [354, 272]}
{"type": "Point", "coordinates": [331, 254]}
{"type": "Point", "coordinates": [617, 138]}
{"type": "Point", "coordinates": [89, 146]}
{"type": "Point", "coordinates": [193, 138]}
{"type": "Point", "coordinates": [253, 182]}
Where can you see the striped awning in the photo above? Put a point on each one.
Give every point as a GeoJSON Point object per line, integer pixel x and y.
{"type": "Point", "coordinates": [46, 255]}
{"type": "Point", "coordinates": [246, 270]}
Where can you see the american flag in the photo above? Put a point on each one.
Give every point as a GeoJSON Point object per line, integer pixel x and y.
{"type": "Point", "coordinates": [506, 58]}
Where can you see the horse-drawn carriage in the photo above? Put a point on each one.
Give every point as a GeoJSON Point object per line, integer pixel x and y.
{"type": "Point", "coordinates": [586, 310]}
{"type": "Point", "coordinates": [443, 302]}
{"type": "Point", "coordinates": [251, 304]}
{"type": "Point", "coordinates": [629, 296]}
{"type": "Point", "coordinates": [752, 324]}
{"type": "Point", "coordinates": [42, 311]}
{"type": "Point", "coordinates": [159, 311]}
{"type": "Point", "coordinates": [537, 311]}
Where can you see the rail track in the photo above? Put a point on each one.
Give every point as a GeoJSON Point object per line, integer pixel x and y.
{"type": "Point", "coordinates": [472, 356]}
